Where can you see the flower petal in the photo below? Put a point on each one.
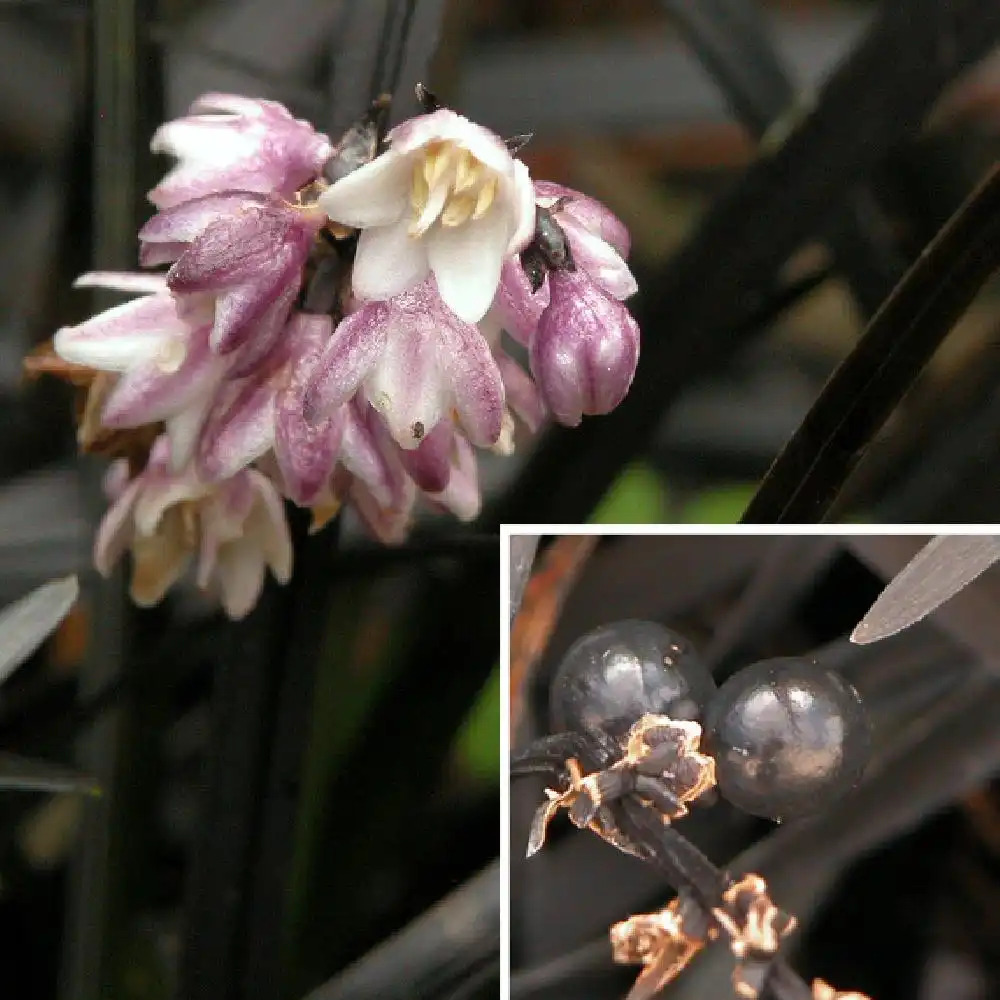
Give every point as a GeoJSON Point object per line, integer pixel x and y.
{"type": "Point", "coordinates": [204, 138]}
{"type": "Point", "coordinates": [389, 524]}
{"type": "Point", "coordinates": [522, 204]}
{"type": "Point", "coordinates": [148, 392]}
{"type": "Point", "coordinates": [361, 454]}
{"type": "Point", "coordinates": [152, 254]}
{"type": "Point", "coordinates": [238, 430]}
{"type": "Point", "coordinates": [588, 212]}
{"type": "Point", "coordinates": [195, 179]}
{"type": "Point", "coordinates": [268, 526]}
{"type": "Point", "coordinates": [235, 104]}
{"type": "Point", "coordinates": [252, 145]}
{"type": "Point", "coordinates": [223, 517]}
{"type": "Point", "coordinates": [373, 195]}
{"type": "Point", "coordinates": [124, 281]}
{"type": "Point", "coordinates": [466, 262]}
{"type": "Point", "coordinates": [123, 336]}
{"type": "Point", "coordinates": [475, 382]}
{"type": "Point", "coordinates": [516, 305]}
{"type": "Point", "coordinates": [161, 492]}
{"type": "Point", "coordinates": [250, 337]}
{"type": "Point", "coordinates": [520, 392]}
{"type": "Point", "coordinates": [429, 464]}
{"type": "Point", "coordinates": [600, 260]}
{"type": "Point", "coordinates": [461, 496]}
{"type": "Point", "coordinates": [584, 354]}
{"type": "Point", "coordinates": [239, 571]}
{"type": "Point", "coordinates": [407, 385]}
{"type": "Point", "coordinates": [116, 479]}
{"type": "Point", "coordinates": [115, 532]}
{"type": "Point", "coordinates": [159, 561]}
{"type": "Point", "coordinates": [347, 359]}
{"type": "Point", "coordinates": [184, 223]}
{"type": "Point", "coordinates": [244, 247]}
{"type": "Point", "coordinates": [306, 452]}
{"type": "Point", "coordinates": [445, 125]}
{"type": "Point", "coordinates": [182, 431]}
{"type": "Point", "coordinates": [388, 261]}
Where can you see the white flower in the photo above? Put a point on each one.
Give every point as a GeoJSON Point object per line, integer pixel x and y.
{"type": "Point", "coordinates": [446, 197]}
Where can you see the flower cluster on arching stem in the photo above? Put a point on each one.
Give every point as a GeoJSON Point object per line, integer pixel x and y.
{"type": "Point", "coordinates": [338, 324]}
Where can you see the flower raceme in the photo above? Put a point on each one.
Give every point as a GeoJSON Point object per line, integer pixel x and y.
{"type": "Point", "coordinates": [338, 325]}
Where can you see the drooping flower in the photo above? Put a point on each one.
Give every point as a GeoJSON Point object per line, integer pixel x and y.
{"type": "Point", "coordinates": [446, 197]}
{"type": "Point", "coordinates": [585, 350]}
{"type": "Point", "coordinates": [235, 529]}
{"type": "Point", "coordinates": [417, 363]}
{"type": "Point", "coordinates": [228, 142]}
{"type": "Point", "coordinates": [166, 370]}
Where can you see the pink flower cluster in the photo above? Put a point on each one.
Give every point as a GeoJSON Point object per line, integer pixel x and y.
{"type": "Point", "coordinates": [330, 331]}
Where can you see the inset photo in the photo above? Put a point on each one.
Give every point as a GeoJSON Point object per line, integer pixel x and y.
{"type": "Point", "coordinates": [752, 766]}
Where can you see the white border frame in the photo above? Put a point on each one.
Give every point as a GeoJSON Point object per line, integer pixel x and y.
{"type": "Point", "coordinates": [507, 530]}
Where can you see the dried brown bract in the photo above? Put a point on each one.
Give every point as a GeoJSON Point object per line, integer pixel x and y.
{"type": "Point", "coordinates": [755, 927]}
{"type": "Point", "coordinates": [658, 941]}
{"type": "Point", "coordinates": [662, 765]}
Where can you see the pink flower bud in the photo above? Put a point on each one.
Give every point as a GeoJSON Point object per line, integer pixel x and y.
{"type": "Point", "coordinates": [585, 351]}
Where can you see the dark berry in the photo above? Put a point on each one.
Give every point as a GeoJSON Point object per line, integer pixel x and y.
{"type": "Point", "coordinates": [788, 736]}
{"type": "Point", "coordinates": [614, 675]}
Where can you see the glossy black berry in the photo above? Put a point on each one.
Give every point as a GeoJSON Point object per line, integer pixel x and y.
{"type": "Point", "coordinates": [614, 675]}
{"type": "Point", "coordinates": [788, 736]}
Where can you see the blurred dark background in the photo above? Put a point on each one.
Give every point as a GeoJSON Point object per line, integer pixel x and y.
{"type": "Point", "coordinates": [895, 886]}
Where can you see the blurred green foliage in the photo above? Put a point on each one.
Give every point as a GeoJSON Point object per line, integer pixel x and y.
{"type": "Point", "coordinates": [477, 747]}
{"type": "Point", "coordinates": [720, 505]}
{"type": "Point", "coordinates": [642, 495]}
{"type": "Point", "coordinates": [638, 496]}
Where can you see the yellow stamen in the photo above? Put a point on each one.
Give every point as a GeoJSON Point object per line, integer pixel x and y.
{"type": "Point", "coordinates": [437, 159]}
{"type": "Point", "coordinates": [458, 210]}
{"type": "Point", "coordinates": [468, 172]}
{"type": "Point", "coordinates": [436, 201]}
{"type": "Point", "coordinates": [420, 191]}
{"type": "Point", "coordinates": [485, 198]}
